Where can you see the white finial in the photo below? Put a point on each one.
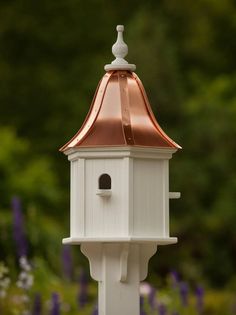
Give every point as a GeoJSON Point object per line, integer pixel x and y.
{"type": "Point", "coordinates": [120, 50]}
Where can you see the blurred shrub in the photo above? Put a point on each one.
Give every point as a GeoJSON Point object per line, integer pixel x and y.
{"type": "Point", "coordinates": [24, 174]}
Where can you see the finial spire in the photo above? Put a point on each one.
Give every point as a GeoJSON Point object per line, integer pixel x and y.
{"type": "Point", "coordinates": [120, 50]}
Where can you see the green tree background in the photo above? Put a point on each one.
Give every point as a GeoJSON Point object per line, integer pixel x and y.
{"type": "Point", "coordinates": [52, 55]}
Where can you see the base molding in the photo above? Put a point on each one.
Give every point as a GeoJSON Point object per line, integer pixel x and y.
{"type": "Point", "coordinates": [119, 268]}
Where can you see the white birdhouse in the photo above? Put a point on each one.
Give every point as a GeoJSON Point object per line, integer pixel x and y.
{"type": "Point", "coordinates": [120, 165]}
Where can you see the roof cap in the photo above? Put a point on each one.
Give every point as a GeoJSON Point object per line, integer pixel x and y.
{"type": "Point", "coordinates": [120, 50]}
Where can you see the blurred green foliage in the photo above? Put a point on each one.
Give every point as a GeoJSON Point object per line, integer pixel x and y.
{"type": "Point", "coordinates": [51, 59]}
{"type": "Point", "coordinates": [24, 174]}
{"type": "Point", "coordinates": [168, 298]}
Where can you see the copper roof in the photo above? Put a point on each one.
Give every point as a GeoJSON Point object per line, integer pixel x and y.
{"type": "Point", "coordinates": [120, 115]}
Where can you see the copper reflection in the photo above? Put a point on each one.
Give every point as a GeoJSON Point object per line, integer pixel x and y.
{"type": "Point", "coordinates": [120, 115]}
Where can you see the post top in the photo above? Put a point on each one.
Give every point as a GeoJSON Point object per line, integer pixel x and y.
{"type": "Point", "coordinates": [120, 50]}
{"type": "Point", "coordinates": [120, 28]}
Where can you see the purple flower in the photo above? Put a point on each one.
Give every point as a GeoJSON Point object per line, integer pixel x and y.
{"type": "Point", "coordinates": [162, 309]}
{"type": "Point", "coordinates": [18, 228]}
{"type": "Point", "coordinates": [55, 310]}
{"type": "Point", "coordinates": [142, 312]}
{"type": "Point", "coordinates": [199, 299]}
{"type": "Point", "coordinates": [67, 262]}
{"type": "Point", "coordinates": [83, 289]}
{"type": "Point", "coordinates": [152, 298]}
{"type": "Point", "coordinates": [183, 290]}
{"type": "Point", "coordinates": [174, 276]}
{"type": "Point", "coordinates": [37, 306]}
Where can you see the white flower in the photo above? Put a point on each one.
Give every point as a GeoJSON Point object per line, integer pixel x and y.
{"type": "Point", "coordinates": [145, 288]}
{"type": "Point", "coordinates": [25, 280]}
{"type": "Point", "coordinates": [3, 270]}
{"type": "Point", "coordinates": [5, 282]}
{"type": "Point", "coordinates": [24, 264]}
{"type": "Point", "coordinates": [30, 280]}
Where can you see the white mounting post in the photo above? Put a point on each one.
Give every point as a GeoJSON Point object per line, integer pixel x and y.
{"type": "Point", "coordinates": [119, 268]}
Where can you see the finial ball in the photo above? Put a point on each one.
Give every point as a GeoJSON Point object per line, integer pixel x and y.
{"type": "Point", "coordinates": [120, 28]}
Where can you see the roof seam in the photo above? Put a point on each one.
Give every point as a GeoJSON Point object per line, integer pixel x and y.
{"type": "Point", "coordinates": [125, 112]}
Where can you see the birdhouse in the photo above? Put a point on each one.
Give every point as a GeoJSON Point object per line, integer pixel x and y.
{"type": "Point", "coordinates": [120, 163]}
{"type": "Point", "coordinates": [120, 179]}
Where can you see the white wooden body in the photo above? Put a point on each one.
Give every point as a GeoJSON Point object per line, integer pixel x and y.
{"type": "Point", "coordinates": [135, 209]}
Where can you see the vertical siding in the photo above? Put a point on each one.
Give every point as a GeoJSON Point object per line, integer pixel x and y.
{"type": "Point", "coordinates": [77, 198]}
{"type": "Point", "coordinates": [80, 198]}
{"type": "Point", "coordinates": [105, 216]}
{"type": "Point", "coordinates": [73, 184]}
{"type": "Point", "coordinates": [148, 198]}
{"type": "Point", "coordinates": [128, 191]}
{"type": "Point", "coordinates": [166, 197]}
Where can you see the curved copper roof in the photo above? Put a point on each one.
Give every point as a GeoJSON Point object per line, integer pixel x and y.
{"type": "Point", "coordinates": [120, 115]}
